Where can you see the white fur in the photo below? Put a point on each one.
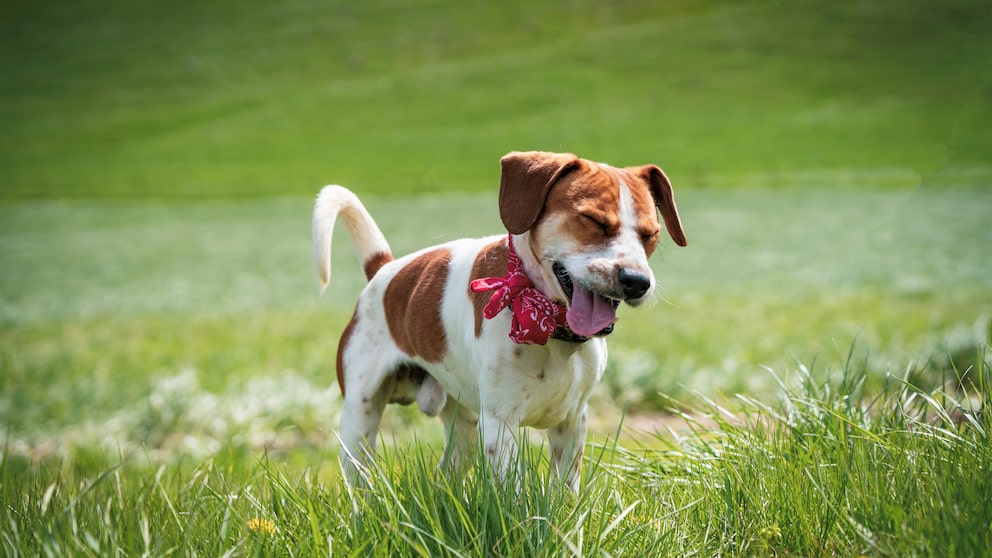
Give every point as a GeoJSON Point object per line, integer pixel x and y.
{"type": "Point", "coordinates": [364, 233]}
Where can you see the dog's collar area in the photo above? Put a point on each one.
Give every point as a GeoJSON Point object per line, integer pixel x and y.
{"type": "Point", "coordinates": [534, 316]}
{"type": "Point", "coordinates": [564, 333]}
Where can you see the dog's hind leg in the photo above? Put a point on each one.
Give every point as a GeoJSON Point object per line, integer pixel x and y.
{"type": "Point", "coordinates": [363, 407]}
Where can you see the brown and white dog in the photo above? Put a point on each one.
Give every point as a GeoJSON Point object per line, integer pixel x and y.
{"type": "Point", "coordinates": [583, 232]}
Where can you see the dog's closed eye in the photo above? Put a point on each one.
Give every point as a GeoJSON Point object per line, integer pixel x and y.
{"type": "Point", "coordinates": [603, 227]}
{"type": "Point", "coordinates": [648, 237]}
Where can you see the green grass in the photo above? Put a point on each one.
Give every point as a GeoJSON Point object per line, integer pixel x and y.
{"type": "Point", "coordinates": [187, 342]}
{"type": "Point", "coordinates": [828, 470]}
{"type": "Point", "coordinates": [101, 300]}
{"type": "Point", "coordinates": [221, 99]}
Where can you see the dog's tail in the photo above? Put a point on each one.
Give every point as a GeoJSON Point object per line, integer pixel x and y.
{"type": "Point", "coordinates": [370, 245]}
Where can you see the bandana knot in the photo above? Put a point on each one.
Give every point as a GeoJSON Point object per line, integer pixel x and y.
{"type": "Point", "coordinates": [535, 316]}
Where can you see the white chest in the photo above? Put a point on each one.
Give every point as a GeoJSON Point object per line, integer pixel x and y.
{"type": "Point", "coordinates": [542, 386]}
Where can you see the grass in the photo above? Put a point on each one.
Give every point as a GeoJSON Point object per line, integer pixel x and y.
{"type": "Point", "coordinates": [162, 404]}
{"type": "Point", "coordinates": [828, 470]}
{"type": "Point", "coordinates": [102, 300]}
{"type": "Point", "coordinates": [220, 99]}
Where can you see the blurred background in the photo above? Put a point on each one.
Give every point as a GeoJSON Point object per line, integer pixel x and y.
{"type": "Point", "coordinates": [832, 163]}
{"type": "Point", "coordinates": [220, 99]}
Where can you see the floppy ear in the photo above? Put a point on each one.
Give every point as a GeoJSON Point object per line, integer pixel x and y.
{"type": "Point", "coordinates": [661, 190]}
{"type": "Point", "coordinates": [524, 184]}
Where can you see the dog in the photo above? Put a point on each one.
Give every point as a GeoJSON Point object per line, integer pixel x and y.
{"type": "Point", "coordinates": [497, 333]}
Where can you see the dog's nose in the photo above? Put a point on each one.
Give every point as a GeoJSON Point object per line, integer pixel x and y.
{"type": "Point", "coordinates": [633, 283]}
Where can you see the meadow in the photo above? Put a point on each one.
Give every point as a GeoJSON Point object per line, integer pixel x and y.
{"type": "Point", "coordinates": [813, 378]}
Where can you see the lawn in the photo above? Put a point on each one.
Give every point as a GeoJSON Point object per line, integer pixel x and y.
{"type": "Point", "coordinates": [822, 473]}
{"type": "Point", "coordinates": [218, 99]}
{"type": "Point", "coordinates": [820, 350]}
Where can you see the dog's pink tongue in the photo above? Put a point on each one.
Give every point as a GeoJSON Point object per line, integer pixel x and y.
{"type": "Point", "coordinates": [589, 312]}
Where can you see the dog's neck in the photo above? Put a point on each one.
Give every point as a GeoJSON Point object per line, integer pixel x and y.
{"type": "Point", "coordinates": [533, 268]}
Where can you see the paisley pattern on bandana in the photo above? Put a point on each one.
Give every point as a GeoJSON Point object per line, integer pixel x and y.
{"type": "Point", "coordinates": [535, 316]}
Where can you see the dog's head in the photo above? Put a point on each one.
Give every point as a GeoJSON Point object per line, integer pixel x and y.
{"type": "Point", "coordinates": [592, 228]}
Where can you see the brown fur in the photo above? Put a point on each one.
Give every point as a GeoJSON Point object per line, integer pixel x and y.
{"type": "Point", "coordinates": [594, 194]}
{"type": "Point", "coordinates": [526, 194]}
{"type": "Point", "coordinates": [490, 262]}
{"type": "Point", "coordinates": [412, 303]}
{"type": "Point", "coordinates": [643, 197]}
{"type": "Point", "coordinates": [524, 184]}
{"type": "Point", "coordinates": [342, 343]}
{"type": "Point", "coordinates": [375, 262]}
{"type": "Point", "coordinates": [664, 200]}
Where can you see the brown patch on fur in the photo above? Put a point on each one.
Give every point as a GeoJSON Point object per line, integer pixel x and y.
{"type": "Point", "coordinates": [664, 199]}
{"type": "Point", "coordinates": [525, 179]}
{"type": "Point", "coordinates": [342, 343]}
{"type": "Point", "coordinates": [412, 303]}
{"type": "Point", "coordinates": [374, 263]}
{"type": "Point", "coordinates": [489, 262]}
{"type": "Point", "coordinates": [647, 226]}
{"type": "Point", "coordinates": [527, 188]}
{"type": "Point", "coordinates": [590, 200]}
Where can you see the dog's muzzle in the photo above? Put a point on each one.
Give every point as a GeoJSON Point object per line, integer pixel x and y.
{"type": "Point", "coordinates": [567, 284]}
{"type": "Point", "coordinates": [633, 285]}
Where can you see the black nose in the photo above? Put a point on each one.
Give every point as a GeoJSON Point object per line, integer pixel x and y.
{"type": "Point", "coordinates": [634, 284]}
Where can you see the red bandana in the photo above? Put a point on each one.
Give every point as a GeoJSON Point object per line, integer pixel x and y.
{"type": "Point", "coordinates": [535, 316]}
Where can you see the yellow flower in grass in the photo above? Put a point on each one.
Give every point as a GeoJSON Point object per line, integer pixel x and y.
{"type": "Point", "coordinates": [263, 526]}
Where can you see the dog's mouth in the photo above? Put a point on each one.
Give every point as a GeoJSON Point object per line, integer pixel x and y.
{"type": "Point", "coordinates": [564, 279]}
{"type": "Point", "coordinates": [589, 313]}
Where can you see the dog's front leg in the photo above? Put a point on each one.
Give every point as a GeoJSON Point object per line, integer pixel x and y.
{"type": "Point", "coordinates": [568, 441]}
{"type": "Point", "coordinates": [462, 434]}
{"type": "Point", "coordinates": [499, 440]}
